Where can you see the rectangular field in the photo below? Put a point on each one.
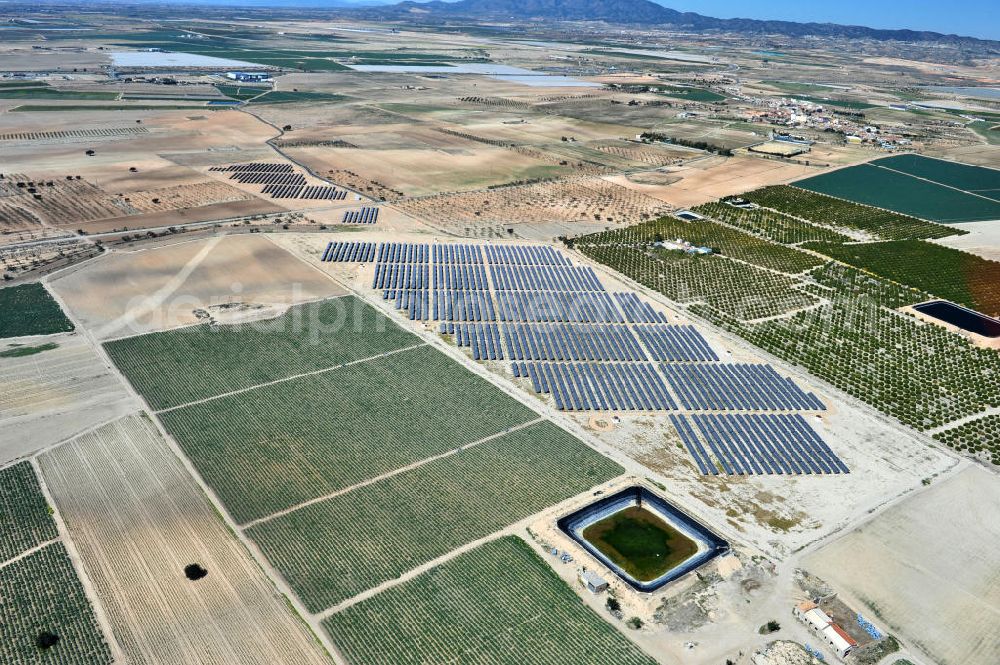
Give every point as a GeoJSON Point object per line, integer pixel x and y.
{"type": "Point", "coordinates": [41, 593]}
{"type": "Point", "coordinates": [948, 273]}
{"type": "Point", "coordinates": [180, 366]}
{"type": "Point", "coordinates": [498, 604]}
{"type": "Point", "coordinates": [28, 309]}
{"type": "Point", "coordinates": [912, 185]}
{"type": "Point", "coordinates": [24, 515]}
{"type": "Point", "coordinates": [138, 518]}
{"type": "Point", "coordinates": [271, 448]}
{"type": "Point", "coordinates": [332, 550]}
{"type": "Point", "coordinates": [937, 586]}
{"type": "Point", "coordinates": [837, 213]}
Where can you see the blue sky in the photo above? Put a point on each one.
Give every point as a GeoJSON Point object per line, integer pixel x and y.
{"type": "Point", "coordinates": [975, 18]}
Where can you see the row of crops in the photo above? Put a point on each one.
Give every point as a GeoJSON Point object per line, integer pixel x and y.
{"type": "Point", "coordinates": [770, 224]}
{"type": "Point", "coordinates": [188, 364]}
{"type": "Point", "coordinates": [332, 550]}
{"type": "Point", "coordinates": [947, 273]}
{"type": "Point", "coordinates": [24, 515]}
{"type": "Point", "coordinates": [273, 447]}
{"type": "Point", "coordinates": [45, 616]}
{"type": "Point", "coordinates": [918, 373]}
{"type": "Point", "coordinates": [28, 309]}
{"type": "Point", "coordinates": [979, 436]}
{"type": "Point", "coordinates": [498, 603]}
{"type": "Point", "coordinates": [721, 239]}
{"type": "Point", "coordinates": [740, 290]}
{"type": "Point", "coordinates": [838, 213]}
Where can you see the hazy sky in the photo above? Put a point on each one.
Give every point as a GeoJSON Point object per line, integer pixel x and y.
{"type": "Point", "coordinates": [976, 18]}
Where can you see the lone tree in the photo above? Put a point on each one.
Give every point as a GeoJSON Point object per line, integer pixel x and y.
{"type": "Point", "coordinates": [194, 572]}
{"type": "Point", "coordinates": [46, 640]}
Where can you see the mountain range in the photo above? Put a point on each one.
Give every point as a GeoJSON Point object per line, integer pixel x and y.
{"type": "Point", "coordinates": [640, 12]}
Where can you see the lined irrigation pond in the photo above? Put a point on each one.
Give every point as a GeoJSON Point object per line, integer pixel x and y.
{"type": "Point", "coordinates": [644, 539]}
{"type": "Point", "coordinates": [966, 319]}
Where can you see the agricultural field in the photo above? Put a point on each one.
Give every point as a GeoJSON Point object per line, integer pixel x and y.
{"type": "Point", "coordinates": [458, 498]}
{"type": "Point", "coordinates": [121, 484]}
{"type": "Point", "coordinates": [742, 291]}
{"type": "Point", "coordinates": [920, 374]}
{"type": "Point", "coordinates": [274, 447]}
{"type": "Point", "coordinates": [978, 437]}
{"type": "Point", "coordinates": [499, 603]}
{"type": "Point", "coordinates": [42, 594]}
{"type": "Point", "coordinates": [770, 224]}
{"type": "Point", "coordinates": [840, 214]}
{"type": "Point", "coordinates": [568, 200]}
{"type": "Point", "coordinates": [24, 514]}
{"type": "Point", "coordinates": [307, 338]}
{"type": "Point", "coordinates": [48, 92]}
{"type": "Point", "coordinates": [49, 396]}
{"type": "Point", "coordinates": [127, 293]}
{"type": "Point", "coordinates": [30, 310]}
{"type": "Point", "coordinates": [936, 587]}
{"type": "Point", "coordinates": [724, 240]}
{"type": "Point", "coordinates": [912, 186]}
{"type": "Point", "coordinates": [947, 273]}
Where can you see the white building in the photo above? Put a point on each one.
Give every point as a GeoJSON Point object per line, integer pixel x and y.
{"type": "Point", "coordinates": [820, 623]}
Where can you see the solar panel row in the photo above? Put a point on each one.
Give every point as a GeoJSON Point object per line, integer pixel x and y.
{"type": "Point", "coordinates": [724, 386]}
{"type": "Point", "coordinates": [364, 216]}
{"type": "Point", "coordinates": [260, 167]}
{"type": "Point", "coordinates": [545, 278]}
{"type": "Point", "coordinates": [401, 252]}
{"type": "Point", "coordinates": [253, 178]}
{"type": "Point", "coordinates": [483, 339]}
{"type": "Point", "coordinates": [556, 307]}
{"type": "Point", "coordinates": [525, 255]}
{"type": "Point", "coordinates": [571, 342]}
{"type": "Point", "coordinates": [637, 311]}
{"type": "Point", "coordinates": [463, 306]}
{"type": "Point", "coordinates": [447, 254]}
{"type": "Point", "coordinates": [349, 252]}
{"type": "Point", "coordinates": [675, 343]}
{"type": "Point", "coordinates": [590, 387]}
{"type": "Point", "coordinates": [401, 276]}
{"type": "Point", "coordinates": [761, 444]}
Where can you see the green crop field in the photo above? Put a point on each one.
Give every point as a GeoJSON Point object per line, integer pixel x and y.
{"type": "Point", "coordinates": [41, 593]}
{"type": "Point", "coordinates": [285, 97]}
{"type": "Point", "coordinates": [839, 103]}
{"type": "Point", "coordinates": [876, 185]}
{"type": "Point", "coordinates": [274, 447]}
{"type": "Point", "coordinates": [27, 83]}
{"type": "Point", "coordinates": [722, 239]}
{"type": "Point", "coordinates": [921, 374]}
{"type": "Point", "coordinates": [180, 366]}
{"type": "Point", "coordinates": [498, 604]}
{"type": "Point", "coordinates": [241, 92]}
{"type": "Point", "coordinates": [769, 224]}
{"type": "Point", "coordinates": [335, 549]}
{"type": "Point", "coordinates": [837, 213]}
{"type": "Point", "coordinates": [17, 351]}
{"type": "Point", "coordinates": [24, 515]}
{"type": "Point", "coordinates": [45, 108]}
{"type": "Point", "coordinates": [741, 290]}
{"type": "Point", "coordinates": [977, 179]}
{"type": "Point", "coordinates": [948, 273]}
{"type": "Point", "coordinates": [976, 436]}
{"type": "Point", "coordinates": [55, 93]}
{"type": "Point", "coordinates": [28, 309]}
{"type": "Point", "coordinates": [693, 94]}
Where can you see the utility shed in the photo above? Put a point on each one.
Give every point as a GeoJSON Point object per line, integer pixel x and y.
{"type": "Point", "coordinates": [594, 582]}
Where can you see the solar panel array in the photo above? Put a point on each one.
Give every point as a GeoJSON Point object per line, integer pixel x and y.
{"type": "Point", "coordinates": [751, 444]}
{"type": "Point", "coordinates": [349, 252]}
{"type": "Point", "coordinates": [280, 181]}
{"type": "Point", "coordinates": [363, 216]}
{"type": "Point", "coordinates": [592, 350]}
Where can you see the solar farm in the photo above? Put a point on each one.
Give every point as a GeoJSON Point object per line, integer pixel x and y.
{"type": "Point", "coordinates": [426, 339]}
{"type": "Point", "coordinates": [590, 350]}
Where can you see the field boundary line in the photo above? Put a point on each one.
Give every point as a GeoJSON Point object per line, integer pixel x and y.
{"type": "Point", "coordinates": [390, 474]}
{"type": "Point", "coordinates": [240, 391]}
{"type": "Point", "coordinates": [935, 182]}
{"type": "Point", "coordinates": [958, 422]}
{"type": "Point", "coordinates": [28, 552]}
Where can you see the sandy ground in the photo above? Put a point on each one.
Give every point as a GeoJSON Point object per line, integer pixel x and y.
{"type": "Point", "coordinates": [53, 395]}
{"type": "Point", "coordinates": [983, 239]}
{"type": "Point", "coordinates": [714, 177]}
{"type": "Point", "coordinates": [127, 293]}
{"type": "Point", "coordinates": [927, 568]}
{"type": "Point", "coordinates": [122, 484]}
